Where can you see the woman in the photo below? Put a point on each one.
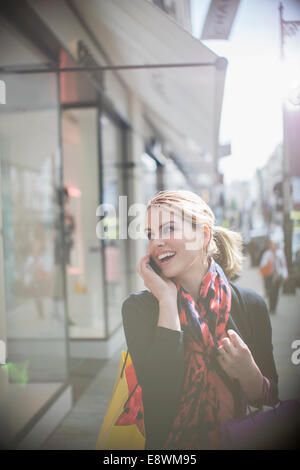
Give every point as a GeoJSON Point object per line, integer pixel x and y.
{"type": "Point", "coordinates": [194, 368]}
{"type": "Point", "coordinates": [275, 258]}
{"type": "Point", "coordinates": [265, 268]}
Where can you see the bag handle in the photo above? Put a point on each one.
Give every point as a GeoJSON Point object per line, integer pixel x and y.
{"type": "Point", "coordinates": [121, 375]}
{"type": "Point", "coordinates": [123, 368]}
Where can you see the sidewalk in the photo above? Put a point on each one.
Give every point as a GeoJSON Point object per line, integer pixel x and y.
{"type": "Point", "coordinates": [79, 430]}
{"type": "Point", "coordinates": [285, 329]}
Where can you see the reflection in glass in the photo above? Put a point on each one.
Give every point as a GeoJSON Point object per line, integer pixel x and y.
{"type": "Point", "coordinates": [83, 265]}
{"type": "Point", "coordinates": [149, 166]}
{"type": "Point", "coordinates": [114, 248]}
{"type": "Point", "coordinates": [31, 223]}
{"type": "Point", "coordinates": [35, 321]}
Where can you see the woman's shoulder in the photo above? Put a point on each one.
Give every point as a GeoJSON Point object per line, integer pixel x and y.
{"type": "Point", "coordinates": [140, 296]}
{"type": "Point", "coordinates": [251, 309]}
{"type": "Point", "coordinates": [143, 301]}
{"type": "Point", "coordinates": [248, 293]}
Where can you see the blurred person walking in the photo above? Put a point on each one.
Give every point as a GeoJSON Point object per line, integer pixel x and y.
{"type": "Point", "coordinates": [265, 270]}
{"type": "Point", "coordinates": [62, 252]}
{"type": "Point", "coordinates": [273, 268]}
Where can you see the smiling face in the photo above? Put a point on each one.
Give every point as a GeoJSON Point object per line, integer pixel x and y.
{"type": "Point", "coordinates": [169, 234]}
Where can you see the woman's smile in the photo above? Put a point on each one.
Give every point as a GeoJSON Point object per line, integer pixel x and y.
{"type": "Point", "coordinates": [166, 261]}
{"type": "Point", "coordinates": [165, 257]}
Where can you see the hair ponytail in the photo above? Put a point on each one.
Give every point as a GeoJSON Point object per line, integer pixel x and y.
{"type": "Point", "coordinates": [226, 247]}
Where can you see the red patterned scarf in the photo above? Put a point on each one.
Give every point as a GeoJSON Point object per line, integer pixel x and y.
{"type": "Point", "coordinates": [197, 423]}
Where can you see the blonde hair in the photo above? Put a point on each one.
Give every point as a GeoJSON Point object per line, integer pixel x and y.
{"type": "Point", "coordinates": [225, 246]}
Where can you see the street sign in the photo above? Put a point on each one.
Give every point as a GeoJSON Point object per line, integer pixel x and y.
{"type": "Point", "coordinates": [219, 19]}
{"type": "Point", "coordinates": [224, 150]}
{"type": "Point", "coordinates": [292, 139]}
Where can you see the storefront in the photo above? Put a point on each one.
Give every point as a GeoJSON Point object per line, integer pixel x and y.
{"type": "Point", "coordinates": [71, 141]}
{"type": "Point", "coordinates": [62, 154]}
{"type": "Point", "coordinates": [37, 349]}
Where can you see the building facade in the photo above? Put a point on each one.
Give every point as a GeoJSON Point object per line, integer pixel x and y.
{"type": "Point", "coordinates": [71, 143]}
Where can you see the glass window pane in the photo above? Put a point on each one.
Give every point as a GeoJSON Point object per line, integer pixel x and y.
{"type": "Point", "coordinates": [115, 249]}
{"type": "Point", "coordinates": [84, 263]}
{"type": "Point", "coordinates": [31, 224]}
{"type": "Point", "coordinates": [34, 320]}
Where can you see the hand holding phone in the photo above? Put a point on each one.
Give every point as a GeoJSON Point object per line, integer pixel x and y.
{"type": "Point", "coordinates": [159, 284]}
{"type": "Point", "coordinates": [155, 266]}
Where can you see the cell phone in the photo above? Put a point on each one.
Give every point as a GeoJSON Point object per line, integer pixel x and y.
{"type": "Point", "coordinates": [155, 266]}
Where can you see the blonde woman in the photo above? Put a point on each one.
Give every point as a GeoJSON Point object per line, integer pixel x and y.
{"type": "Point", "coordinates": [201, 346]}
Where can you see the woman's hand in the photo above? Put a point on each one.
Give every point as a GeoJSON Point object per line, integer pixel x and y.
{"type": "Point", "coordinates": [159, 285]}
{"type": "Point", "coordinates": [237, 361]}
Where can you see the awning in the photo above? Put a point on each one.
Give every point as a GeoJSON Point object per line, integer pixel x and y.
{"type": "Point", "coordinates": [183, 102]}
{"type": "Point", "coordinates": [187, 100]}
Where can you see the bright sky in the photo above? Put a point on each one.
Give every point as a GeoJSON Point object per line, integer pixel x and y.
{"type": "Point", "coordinates": [255, 80]}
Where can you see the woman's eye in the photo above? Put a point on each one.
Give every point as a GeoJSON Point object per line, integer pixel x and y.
{"type": "Point", "coordinates": [168, 229]}
{"type": "Point", "coordinates": [164, 230]}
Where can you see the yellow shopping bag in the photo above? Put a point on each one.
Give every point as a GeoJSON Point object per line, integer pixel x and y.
{"type": "Point", "coordinates": [123, 424]}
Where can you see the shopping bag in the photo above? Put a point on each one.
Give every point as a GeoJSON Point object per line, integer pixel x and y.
{"type": "Point", "coordinates": [123, 424]}
{"type": "Point", "coordinates": [273, 427]}
{"type": "Point", "coordinates": [266, 270]}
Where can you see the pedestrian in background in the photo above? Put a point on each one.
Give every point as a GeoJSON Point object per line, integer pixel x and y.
{"type": "Point", "coordinates": [274, 271]}
{"type": "Point", "coordinates": [265, 270]}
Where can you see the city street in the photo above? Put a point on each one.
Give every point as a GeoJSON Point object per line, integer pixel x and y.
{"type": "Point", "coordinates": [79, 430]}
{"type": "Point", "coordinates": [111, 111]}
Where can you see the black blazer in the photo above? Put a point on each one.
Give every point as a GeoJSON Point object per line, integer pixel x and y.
{"type": "Point", "coordinates": [157, 353]}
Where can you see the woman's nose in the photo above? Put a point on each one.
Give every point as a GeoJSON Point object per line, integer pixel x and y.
{"type": "Point", "coordinates": [158, 242]}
